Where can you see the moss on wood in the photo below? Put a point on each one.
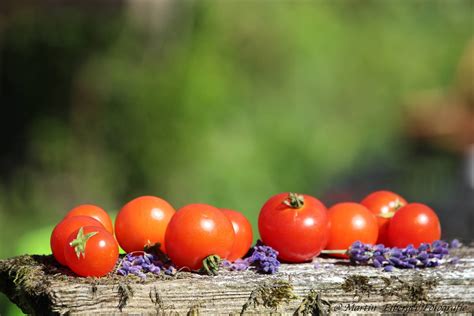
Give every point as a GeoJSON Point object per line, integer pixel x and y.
{"type": "Point", "coordinates": [415, 290]}
{"type": "Point", "coordinates": [359, 284]}
{"type": "Point", "coordinates": [270, 294]}
{"type": "Point", "coordinates": [313, 304]}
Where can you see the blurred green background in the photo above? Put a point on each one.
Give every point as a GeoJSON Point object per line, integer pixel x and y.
{"type": "Point", "coordinates": [223, 103]}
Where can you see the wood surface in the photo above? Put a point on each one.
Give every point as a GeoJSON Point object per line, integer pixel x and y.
{"type": "Point", "coordinates": [39, 286]}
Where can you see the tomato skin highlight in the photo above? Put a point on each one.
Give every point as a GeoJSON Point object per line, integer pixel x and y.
{"type": "Point", "coordinates": [62, 231]}
{"type": "Point", "coordinates": [414, 224]}
{"type": "Point", "coordinates": [350, 222]}
{"type": "Point", "coordinates": [243, 234]}
{"type": "Point", "coordinates": [100, 256]}
{"type": "Point", "coordinates": [95, 212]}
{"type": "Point", "coordinates": [142, 222]}
{"type": "Point", "coordinates": [383, 202]}
{"type": "Point", "coordinates": [197, 231]}
{"type": "Point", "coordinates": [298, 234]}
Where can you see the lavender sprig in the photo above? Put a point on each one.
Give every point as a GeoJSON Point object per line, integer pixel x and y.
{"type": "Point", "coordinates": [425, 256]}
{"type": "Point", "coordinates": [263, 259]}
{"type": "Point", "coordinates": [141, 263]}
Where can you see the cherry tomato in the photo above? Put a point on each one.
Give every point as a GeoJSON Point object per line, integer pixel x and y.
{"type": "Point", "coordinates": [91, 251]}
{"type": "Point", "coordinates": [243, 234]}
{"type": "Point", "coordinates": [62, 231]}
{"type": "Point", "coordinates": [414, 224]}
{"type": "Point", "coordinates": [197, 231]}
{"type": "Point", "coordinates": [349, 222]}
{"type": "Point", "coordinates": [95, 212]}
{"type": "Point", "coordinates": [383, 204]}
{"type": "Point", "coordinates": [294, 225]}
{"type": "Point", "coordinates": [142, 222]}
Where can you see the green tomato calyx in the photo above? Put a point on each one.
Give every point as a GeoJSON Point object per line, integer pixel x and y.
{"type": "Point", "coordinates": [79, 243]}
{"type": "Point", "coordinates": [386, 215]}
{"type": "Point", "coordinates": [211, 264]}
{"type": "Point", "coordinates": [294, 200]}
{"type": "Point", "coordinates": [393, 207]}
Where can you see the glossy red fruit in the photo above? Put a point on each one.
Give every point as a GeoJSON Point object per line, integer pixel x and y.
{"type": "Point", "coordinates": [350, 222]}
{"type": "Point", "coordinates": [383, 204]}
{"type": "Point", "coordinates": [243, 234]}
{"type": "Point", "coordinates": [95, 212]}
{"type": "Point", "coordinates": [197, 231]}
{"type": "Point", "coordinates": [143, 222]}
{"type": "Point", "coordinates": [414, 224]}
{"type": "Point", "coordinates": [295, 225]}
{"type": "Point", "coordinates": [91, 251]}
{"type": "Point", "coordinates": [64, 229]}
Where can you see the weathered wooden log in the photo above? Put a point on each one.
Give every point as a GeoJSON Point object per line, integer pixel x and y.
{"type": "Point", "coordinates": [38, 285]}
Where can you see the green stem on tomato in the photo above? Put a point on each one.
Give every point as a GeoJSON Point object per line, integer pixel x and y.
{"type": "Point", "coordinates": [210, 265]}
{"type": "Point", "coordinates": [79, 243]}
{"type": "Point", "coordinates": [386, 215]}
{"type": "Point", "coordinates": [334, 251]}
{"type": "Point", "coordinates": [294, 200]}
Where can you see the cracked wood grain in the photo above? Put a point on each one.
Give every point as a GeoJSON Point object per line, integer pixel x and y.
{"type": "Point", "coordinates": [39, 286]}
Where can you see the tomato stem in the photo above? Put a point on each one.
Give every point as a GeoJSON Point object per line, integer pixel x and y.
{"type": "Point", "coordinates": [294, 200]}
{"type": "Point", "coordinates": [386, 215]}
{"type": "Point", "coordinates": [398, 205]}
{"type": "Point", "coordinates": [79, 243]}
{"type": "Point", "coordinates": [210, 265]}
{"type": "Point", "coordinates": [334, 251]}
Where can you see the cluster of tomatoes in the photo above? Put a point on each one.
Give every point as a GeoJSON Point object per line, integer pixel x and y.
{"type": "Point", "coordinates": [84, 240]}
{"type": "Point", "coordinates": [298, 226]}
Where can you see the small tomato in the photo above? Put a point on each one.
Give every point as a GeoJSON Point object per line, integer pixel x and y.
{"type": "Point", "coordinates": [349, 222]}
{"type": "Point", "coordinates": [62, 231]}
{"type": "Point", "coordinates": [91, 251]}
{"type": "Point", "coordinates": [142, 222]}
{"type": "Point", "coordinates": [414, 224]}
{"type": "Point", "coordinates": [197, 231]}
{"type": "Point", "coordinates": [295, 225]}
{"type": "Point", "coordinates": [243, 234]}
{"type": "Point", "coordinates": [383, 204]}
{"type": "Point", "coordinates": [95, 212]}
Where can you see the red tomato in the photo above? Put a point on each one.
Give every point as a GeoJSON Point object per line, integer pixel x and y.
{"type": "Point", "coordinates": [62, 231]}
{"type": "Point", "coordinates": [383, 204]}
{"type": "Point", "coordinates": [243, 234]}
{"type": "Point", "coordinates": [414, 224]}
{"type": "Point", "coordinates": [349, 222]}
{"type": "Point", "coordinates": [95, 212]}
{"type": "Point", "coordinates": [91, 251]}
{"type": "Point", "coordinates": [294, 225]}
{"type": "Point", "coordinates": [197, 231]}
{"type": "Point", "coordinates": [143, 222]}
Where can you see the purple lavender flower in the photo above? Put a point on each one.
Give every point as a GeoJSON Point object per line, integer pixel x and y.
{"type": "Point", "coordinates": [426, 255]}
{"type": "Point", "coordinates": [141, 263]}
{"type": "Point", "coordinates": [376, 263]}
{"type": "Point", "coordinates": [263, 259]}
{"type": "Point", "coordinates": [455, 243]}
{"type": "Point", "coordinates": [424, 247]}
